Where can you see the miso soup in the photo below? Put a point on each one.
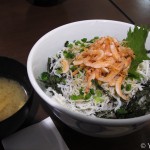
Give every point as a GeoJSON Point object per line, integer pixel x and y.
{"type": "Point", "coordinates": [12, 97]}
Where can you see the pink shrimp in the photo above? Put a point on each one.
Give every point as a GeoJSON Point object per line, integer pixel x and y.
{"type": "Point", "coordinates": [118, 88]}
{"type": "Point", "coordinates": [65, 66]}
{"type": "Point", "coordinates": [89, 82]}
{"type": "Point", "coordinates": [114, 52]}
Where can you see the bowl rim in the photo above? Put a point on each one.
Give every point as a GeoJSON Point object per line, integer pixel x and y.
{"type": "Point", "coordinates": [30, 95]}
{"type": "Point", "coordinates": [127, 121]}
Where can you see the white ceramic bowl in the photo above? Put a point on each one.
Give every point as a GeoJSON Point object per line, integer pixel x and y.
{"type": "Point", "coordinates": [54, 41]}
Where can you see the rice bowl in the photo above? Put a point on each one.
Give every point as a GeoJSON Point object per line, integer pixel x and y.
{"type": "Point", "coordinates": [53, 42]}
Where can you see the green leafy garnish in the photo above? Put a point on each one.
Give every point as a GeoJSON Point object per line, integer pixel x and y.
{"type": "Point", "coordinates": [136, 41]}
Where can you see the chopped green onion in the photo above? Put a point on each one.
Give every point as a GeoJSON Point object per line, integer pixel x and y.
{"type": "Point", "coordinates": [77, 42]}
{"type": "Point", "coordinates": [94, 39]}
{"type": "Point", "coordinates": [82, 45]}
{"type": "Point", "coordinates": [63, 81]}
{"type": "Point", "coordinates": [84, 40]}
{"type": "Point", "coordinates": [45, 76]}
{"type": "Point", "coordinates": [92, 91]}
{"type": "Point", "coordinates": [128, 87]}
{"type": "Point", "coordinates": [59, 70]}
{"type": "Point", "coordinates": [73, 68]}
{"type": "Point", "coordinates": [81, 50]}
{"type": "Point", "coordinates": [70, 45]}
{"type": "Point", "coordinates": [81, 91]}
{"type": "Point", "coordinates": [122, 87]}
{"type": "Point", "coordinates": [87, 96]}
{"type": "Point", "coordinates": [79, 75]}
{"type": "Point", "coordinates": [98, 99]}
{"type": "Point", "coordinates": [68, 54]}
{"type": "Point", "coordinates": [76, 97]}
{"type": "Point", "coordinates": [99, 93]}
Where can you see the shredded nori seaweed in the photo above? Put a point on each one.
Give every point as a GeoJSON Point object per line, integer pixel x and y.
{"type": "Point", "coordinates": [134, 108]}
{"type": "Point", "coordinates": [50, 80]}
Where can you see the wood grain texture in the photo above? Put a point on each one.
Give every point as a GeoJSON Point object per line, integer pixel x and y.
{"type": "Point", "coordinates": [136, 10]}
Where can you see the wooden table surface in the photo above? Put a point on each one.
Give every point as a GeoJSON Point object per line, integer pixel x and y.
{"type": "Point", "coordinates": [23, 23]}
{"type": "Point", "coordinates": [136, 10]}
